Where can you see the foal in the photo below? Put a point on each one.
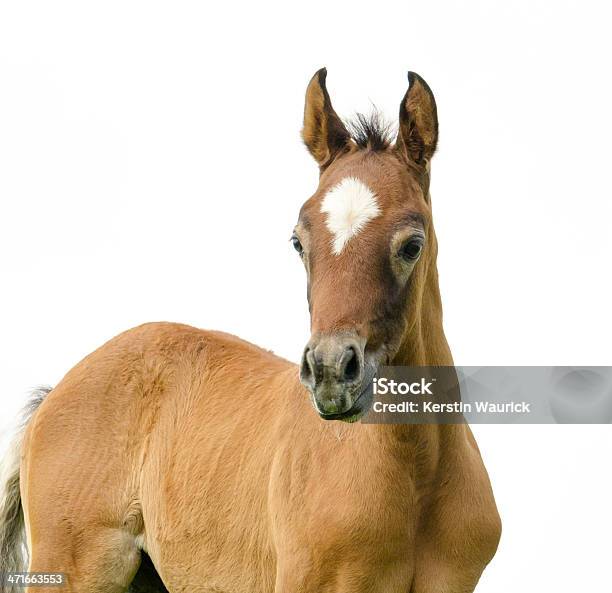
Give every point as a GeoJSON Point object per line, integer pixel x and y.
{"type": "Point", "coordinates": [205, 451]}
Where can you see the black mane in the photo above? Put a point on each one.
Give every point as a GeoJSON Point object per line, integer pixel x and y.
{"type": "Point", "coordinates": [371, 131]}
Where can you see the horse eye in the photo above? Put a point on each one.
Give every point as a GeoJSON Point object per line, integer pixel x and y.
{"type": "Point", "coordinates": [411, 249]}
{"type": "Point", "coordinates": [297, 245]}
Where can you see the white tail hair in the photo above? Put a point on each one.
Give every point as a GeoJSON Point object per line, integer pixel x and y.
{"type": "Point", "coordinates": [13, 549]}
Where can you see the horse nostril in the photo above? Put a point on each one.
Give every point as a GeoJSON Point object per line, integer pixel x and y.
{"type": "Point", "coordinates": [307, 371]}
{"type": "Point", "coordinates": [349, 365]}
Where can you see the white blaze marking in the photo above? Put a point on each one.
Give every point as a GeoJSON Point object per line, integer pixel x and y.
{"type": "Point", "coordinates": [349, 206]}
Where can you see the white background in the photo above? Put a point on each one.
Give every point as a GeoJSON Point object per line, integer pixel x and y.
{"type": "Point", "coordinates": [151, 168]}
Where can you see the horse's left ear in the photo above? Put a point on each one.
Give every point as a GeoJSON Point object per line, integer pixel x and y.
{"type": "Point", "coordinates": [418, 121]}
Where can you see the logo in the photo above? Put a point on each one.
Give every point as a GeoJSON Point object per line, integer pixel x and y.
{"type": "Point", "coordinates": [384, 386]}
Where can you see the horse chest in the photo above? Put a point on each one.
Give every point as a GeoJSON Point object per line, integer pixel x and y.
{"type": "Point", "coordinates": [385, 514]}
{"type": "Point", "coordinates": [325, 499]}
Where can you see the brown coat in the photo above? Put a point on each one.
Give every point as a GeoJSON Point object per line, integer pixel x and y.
{"type": "Point", "coordinates": [205, 451]}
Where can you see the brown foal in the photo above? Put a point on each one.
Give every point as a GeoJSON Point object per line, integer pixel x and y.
{"type": "Point", "coordinates": [204, 452]}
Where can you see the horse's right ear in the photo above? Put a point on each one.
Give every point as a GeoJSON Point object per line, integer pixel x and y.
{"type": "Point", "coordinates": [323, 133]}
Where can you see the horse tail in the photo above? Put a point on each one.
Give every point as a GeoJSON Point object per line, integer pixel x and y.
{"type": "Point", "coordinates": [13, 548]}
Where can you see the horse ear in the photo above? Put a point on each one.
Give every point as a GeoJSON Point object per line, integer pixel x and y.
{"type": "Point", "coordinates": [323, 133]}
{"type": "Point", "coordinates": [418, 121]}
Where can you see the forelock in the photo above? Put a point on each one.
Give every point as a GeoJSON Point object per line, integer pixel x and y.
{"type": "Point", "coordinates": [371, 131]}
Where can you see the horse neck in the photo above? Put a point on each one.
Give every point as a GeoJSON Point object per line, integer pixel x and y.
{"type": "Point", "coordinates": [424, 342]}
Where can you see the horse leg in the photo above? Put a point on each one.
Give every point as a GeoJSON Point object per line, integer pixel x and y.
{"type": "Point", "coordinates": [76, 526]}
{"type": "Point", "coordinates": [445, 579]}
{"type": "Point", "coordinates": [393, 582]}
{"type": "Point", "coordinates": [311, 575]}
{"type": "Point", "coordinates": [100, 560]}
